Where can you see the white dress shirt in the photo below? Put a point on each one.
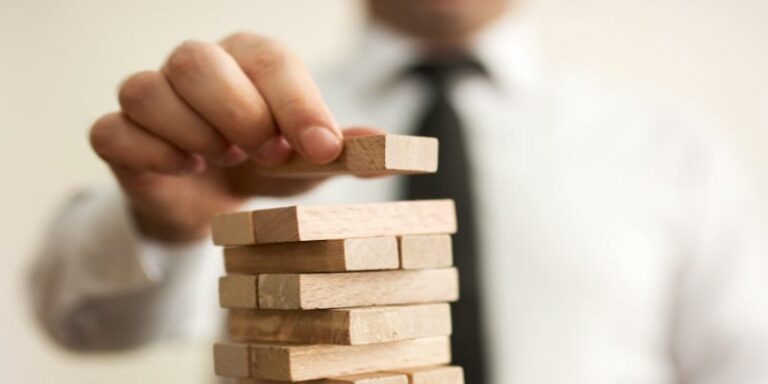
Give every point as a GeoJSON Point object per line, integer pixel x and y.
{"type": "Point", "coordinates": [622, 243]}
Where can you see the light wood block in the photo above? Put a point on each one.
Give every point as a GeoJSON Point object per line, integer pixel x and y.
{"type": "Point", "coordinates": [231, 360]}
{"type": "Point", "coordinates": [357, 289]}
{"type": "Point", "coordinates": [425, 251]}
{"type": "Point", "coordinates": [446, 374]}
{"type": "Point", "coordinates": [346, 326]}
{"type": "Point", "coordinates": [370, 378]}
{"type": "Point", "coordinates": [365, 378]}
{"type": "Point", "coordinates": [366, 155]}
{"type": "Point", "coordinates": [234, 228]}
{"type": "Point", "coordinates": [312, 362]}
{"type": "Point", "coordinates": [370, 253]}
{"type": "Point", "coordinates": [332, 222]}
{"type": "Point", "coordinates": [238, 291]}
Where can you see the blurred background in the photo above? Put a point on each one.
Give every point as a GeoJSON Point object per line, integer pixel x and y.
{"type": "Point", "coordinates": [61, 62]}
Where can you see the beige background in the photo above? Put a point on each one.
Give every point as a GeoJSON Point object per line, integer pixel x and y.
{"type": "Point", "coordinates": [61, 60]}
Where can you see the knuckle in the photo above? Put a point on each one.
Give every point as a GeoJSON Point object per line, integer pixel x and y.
{"type": "Point", "coordinates": [208, 143]}
{"type": "Point", "coordinates": [242, 37]}
{"type": "Point", "coordinates": [302, 111]}
{"type": "Point", "coordinates": [166, 161]}
{"type": "Point", "coordinates": [295, 104]}
{"type": "Point", "coordinates": [190, 56]}
{"type": "Point", "coordinates": [269, 57]}
{"type": "Point", "coordinates": [259, 55]}
{"type": "Point", "coordinates": [246, 126]}
{"type": "Point", "coordinates": [138, 89]}
{"type": "Point", "coordinates": [102, 135]}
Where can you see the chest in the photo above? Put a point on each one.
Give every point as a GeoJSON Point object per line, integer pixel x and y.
{"type": "Point", "coordinates": [577, 224]}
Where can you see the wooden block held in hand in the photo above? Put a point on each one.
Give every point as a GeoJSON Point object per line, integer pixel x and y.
{"type": "Point", "coordinates": [370, 253]}
{"type": "Point", "coordinates": [425, 251]}
{"type": "Point", "coordinates": [345, 326]}
{"type": "Point", "coordinates": [332, 222]}
{"type": "Point", "coordinates": [446, 374]}
{"type": "Point", "coordinates": [238, 291]}
{"type": "Point", "coordinates": [357, 289]}
{"type": "Point", "coordinates": [367, 155]}
{"type": "Point", "coordinates": [311, 362]}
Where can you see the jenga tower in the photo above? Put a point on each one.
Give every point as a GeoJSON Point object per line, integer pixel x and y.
{"type": "Point", "coordinates": [353, 293]}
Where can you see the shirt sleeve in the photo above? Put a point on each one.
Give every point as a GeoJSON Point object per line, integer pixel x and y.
{"type": "Point", "coordinates": [96, 284]}
{"type": "Point", "coordinates": [720, 333]}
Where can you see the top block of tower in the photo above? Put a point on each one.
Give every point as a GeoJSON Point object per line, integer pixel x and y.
{"type": "Point", "coordinates": [332, 222]}
{"type": "Point", "coordinates": [369, 155]}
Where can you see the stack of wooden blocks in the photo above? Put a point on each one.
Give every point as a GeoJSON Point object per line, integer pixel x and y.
{"type": "Point", "coordinates": [353, 293]}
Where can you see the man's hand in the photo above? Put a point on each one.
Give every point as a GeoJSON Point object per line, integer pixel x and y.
{"type": "Point", "coordinates": [185, 144]}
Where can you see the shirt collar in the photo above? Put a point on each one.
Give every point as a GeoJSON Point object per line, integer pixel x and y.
{"type": "Point", "coordinates": [506, 49]}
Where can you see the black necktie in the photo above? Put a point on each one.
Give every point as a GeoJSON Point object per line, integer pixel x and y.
{"type": "Point", "coordinates": [453, 180]}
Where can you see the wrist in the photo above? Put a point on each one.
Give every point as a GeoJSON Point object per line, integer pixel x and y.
{"type": "Point", "coordinates": [172, 231]}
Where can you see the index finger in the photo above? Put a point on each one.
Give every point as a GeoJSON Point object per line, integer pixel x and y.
{"type": "Point", "coordinates": [292, 96]}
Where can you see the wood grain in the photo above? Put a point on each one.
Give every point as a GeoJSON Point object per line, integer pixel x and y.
{"type": "Point", "coordinates": [368, 155]}
{"type": "Point", "coordinates": [238, 291]}
{"type": "Point", "coordinates": [446, 374]}
{"type": "Point", "coordinates": [233, 229]}
{"type": "Point", "coordinates": [365, 378]}
{"type": "Point", "coordinates": [332, 222]}
{"type": "Point", "coordinates": [231, 360]}
{"type": "Point", "coordinates": [370, 378]}
{"type": "Point", "coordinates": [425, 251]}
{"type": "Point", "coordinates": [312, 362]}
{"type": "Point", "coordinates": [346, 326]}
{"type": "Point", "coordinates": [371, 253]}
{"type": "Point", "coordinates": [357, 289]}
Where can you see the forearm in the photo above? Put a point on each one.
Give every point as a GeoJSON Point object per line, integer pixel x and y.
{"type": "Point", "coordinates": [98, 285]}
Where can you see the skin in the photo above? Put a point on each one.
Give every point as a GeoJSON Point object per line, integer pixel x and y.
{"type": "Point", "coordinates": [441, 25]}
{"type": "Point", "coordinates": [188, 137]}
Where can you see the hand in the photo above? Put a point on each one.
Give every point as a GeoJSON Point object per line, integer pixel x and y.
{"type": "Point", "coordinates": [188, 138]}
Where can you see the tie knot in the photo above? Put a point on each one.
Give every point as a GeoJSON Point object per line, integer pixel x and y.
{"type": "Point", "coordinates": [439, 71]}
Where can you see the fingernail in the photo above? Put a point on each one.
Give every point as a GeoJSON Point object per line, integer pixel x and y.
{"type": "Point", "coordinates": [232, 156]}
{"type": "Point", "coordinates": [320, 144]}
{"type": "Point", "coordinates": [193, 164]}
{"type": "Point", "coordinates": [275, 151]}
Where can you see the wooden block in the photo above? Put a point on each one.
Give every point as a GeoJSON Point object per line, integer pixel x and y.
{"type": "Point", "coordinates": [370, 378]}
{"type": "Point", "coordinates": [312, 362]}
{"type": "Point", "coordinates": [231, 360]}
{"type": "Point", "coordinates": [447, 374]}
{"type": "Point", "coordinates": [238, 291]}
{"type": "Point", "coordinates": [357, 289]}
{"type": "Point", "coordinates": [425, 251]}
{"type": "Point", "coordinates": [233, 229]}
{"type": "Point", "coordinates": [365, 378]}
{"type": "Point", "coordinates": [370, 253]}
{"type": "Point", "coordinates": [366, 155]}
{"type": "Point", "coordinates": [346, 326]}
{"type": "Point", "coordinates": [331, 222]}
